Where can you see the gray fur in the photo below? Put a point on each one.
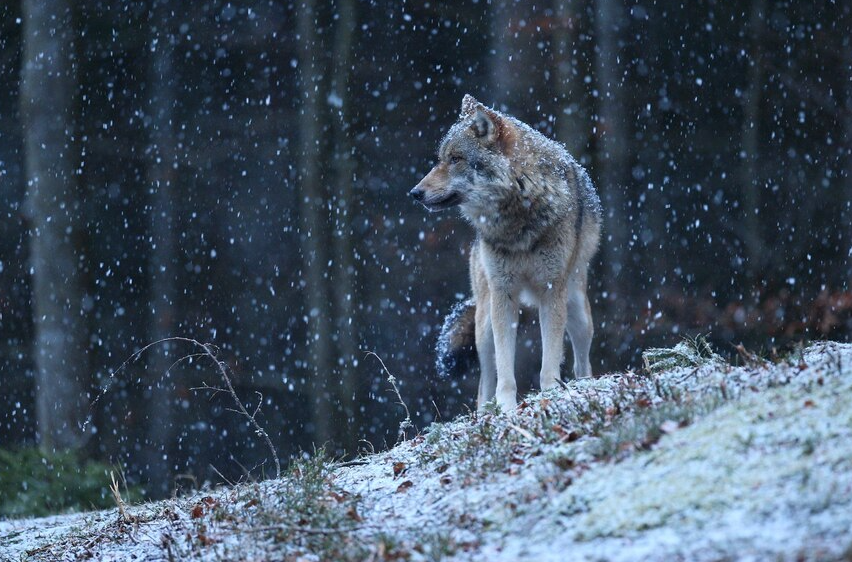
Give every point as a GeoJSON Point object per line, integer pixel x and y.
{"type": "Point", "coordinates": [538, 221]}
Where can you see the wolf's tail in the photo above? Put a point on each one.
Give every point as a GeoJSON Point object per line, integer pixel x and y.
{"type": "Point", "coordinates": [457, 342]}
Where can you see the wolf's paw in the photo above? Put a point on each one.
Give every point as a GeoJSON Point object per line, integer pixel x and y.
{"type": "Point", "coordinates": [582, 370]}
{"type": "Point", "coordinates": [506, 401]}
{"type": "Point", "coordinates": [548, 382]}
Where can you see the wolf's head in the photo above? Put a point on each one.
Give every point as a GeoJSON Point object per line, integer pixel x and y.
{"type": "Point", "coordinates": [472, 161]}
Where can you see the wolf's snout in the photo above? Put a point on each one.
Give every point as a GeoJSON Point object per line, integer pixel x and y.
{"type": "Point", "coordinates": [417, 193]}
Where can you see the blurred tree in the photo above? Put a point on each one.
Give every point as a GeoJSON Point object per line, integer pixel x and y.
{"type": "Point", "coordinates": [750, 181]}
{"type": "Point", "coordinates": [846, 246]}
{"type": "Point", "coordinates": [654, 215]}
{"type": "Point", "coordinates": [49, 106]}
{"type": "Point", "coordinates": [314, 197]}
{"type": "Point", "coordinates": [326, 197]}
{"type": "Point", "coordinates": [344, 284]}
{"type": "Point", "coordinates": [572, 126]}
{"type": "Point", "coordinates": [162, 262]}
{"type": "Point", "coordinates": [504, 50]}
{"type": "Point", "coordinates": [612, 146]}
{"type": "Point", "coordinates": [516, 65]}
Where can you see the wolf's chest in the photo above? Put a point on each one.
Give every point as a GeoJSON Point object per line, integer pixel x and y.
{"type": "Point", "coordinates": [528, 274]}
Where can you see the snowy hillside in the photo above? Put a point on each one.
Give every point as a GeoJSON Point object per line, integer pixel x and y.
{"type": "Point", "coordinates": [692, 459]}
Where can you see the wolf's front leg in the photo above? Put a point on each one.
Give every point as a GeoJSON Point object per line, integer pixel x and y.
{"type": "Point", "coordinates": [504, 324]}
{"type": "Point", "coordinates": [485, 350]}
{"type": "Point", "coordinates": [553, 315]}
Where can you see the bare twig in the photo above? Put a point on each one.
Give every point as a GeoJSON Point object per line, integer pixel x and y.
{"type": "Point", "coordinates": [214, 390]}
{"type": "Point", "coordinates": [116, 495]}
{"type": "Point", "coordinates": [208, 350]}
{"type": "Point", "coordinates": [437, 410]}
{"type": "Point", "coordinates": [405, 424]}
{"type": "Point", "coordinates": [347, 464]}
{"type": "Point", "coordinates": [189, 357]}
{"type": "Point", "coordinates": [258, 429]}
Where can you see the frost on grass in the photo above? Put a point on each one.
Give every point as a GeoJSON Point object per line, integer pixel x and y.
{"type": "Point", "coordinates": [688, 353]}
{"type": "Point", "coordinates": [703, 461]}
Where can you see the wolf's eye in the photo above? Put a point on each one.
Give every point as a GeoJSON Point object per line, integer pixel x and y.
{"type": "Point", "coordinates": [455, 159]}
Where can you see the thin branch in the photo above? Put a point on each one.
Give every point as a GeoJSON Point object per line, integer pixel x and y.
{"type": "Point", "coordinates": [182, 359]}
{"type": "Point", "coordinates": [406, 423]}
{"type": "Point", "coordinates": [222, 476]}
{"type": "Point", "coordinates": [204, 386]}
{"type": "Point", "coordinates": [210, 351]}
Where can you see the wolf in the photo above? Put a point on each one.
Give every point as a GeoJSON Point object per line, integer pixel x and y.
{"type": "Point", "coordinates": [537, 219]}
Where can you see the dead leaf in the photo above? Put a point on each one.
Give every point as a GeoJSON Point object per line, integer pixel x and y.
{"type": "Point", "coordinates": [205, 540]}
{"type": "Point", "coordinates": [643, 403]}
{"type": "Point", "coordinates": [405, 486]}
{"type": "Point", "coordinates": [564, 463]}
{"type": "Point", "coordinates": [809, 404]}
{"type": "Point", "coordinates": [197, 511]}
{"type": "Point", "coordinates": [398, 468]}
{"type": "Point", "coordinates": [443, 468]}
{"type": "Point", "coordinates": [353, 514]}
{"type": "Point", "coordinates": [339, 498]}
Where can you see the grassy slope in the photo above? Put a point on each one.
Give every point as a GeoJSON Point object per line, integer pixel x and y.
{"type": "Point", "coordinates": [698, 461]}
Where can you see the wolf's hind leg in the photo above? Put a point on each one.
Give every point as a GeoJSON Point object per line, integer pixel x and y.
{"type": "Point", "coordinates": [580, 328]}
{"type": "Point", "coordinates": [487, 359]}
{"type": "Point", "coordinates": [552, 317]}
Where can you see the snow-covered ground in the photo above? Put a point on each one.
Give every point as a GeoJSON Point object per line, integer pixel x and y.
{"type": "Point", "coordinates": [697, 461]}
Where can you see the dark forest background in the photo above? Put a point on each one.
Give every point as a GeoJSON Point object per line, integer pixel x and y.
{"type": "Point", "coordinates": [237, 173]}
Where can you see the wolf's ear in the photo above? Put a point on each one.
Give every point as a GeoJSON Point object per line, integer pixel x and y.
{"type": "Point", "coordinates": [486, 125]}
{"type": "Point", "coordinates": [469, 105]}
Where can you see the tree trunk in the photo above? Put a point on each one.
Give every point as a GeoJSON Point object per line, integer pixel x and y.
{"type": "Point", "coordinates": [344, 248]}
{"type": "Point", "coordinates": [846, 243]}
{"type": "Point", "coordinates": [572, 121]}
{"type": "Point", "coordinates": [500, 67]}
{"type": "Point", "coordinates": [49, 105]}
{"type": "Point", "coordinates": [655, 214]}
{"type": "Point", "coordinates": [515, 64]}
{"type": "Point", "coordinates": [162, 265]}
{"type": "Point", "coordinates": [749, 181]}
{"type": "Point", "coordinates": [612, 155]}
{"type": "Point", "coordinates": [313, 198]}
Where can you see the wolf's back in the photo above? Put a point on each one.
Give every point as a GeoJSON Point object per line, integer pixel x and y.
{"type": "Point", "coordinates": [456, 349]}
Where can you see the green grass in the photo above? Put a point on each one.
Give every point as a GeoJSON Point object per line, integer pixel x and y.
{"type": "Point", "coordinates": [34, 483]}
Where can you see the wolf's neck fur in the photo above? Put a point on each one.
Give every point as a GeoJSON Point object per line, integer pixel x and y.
{"type": "Point", "coordinates": [528, 201]}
